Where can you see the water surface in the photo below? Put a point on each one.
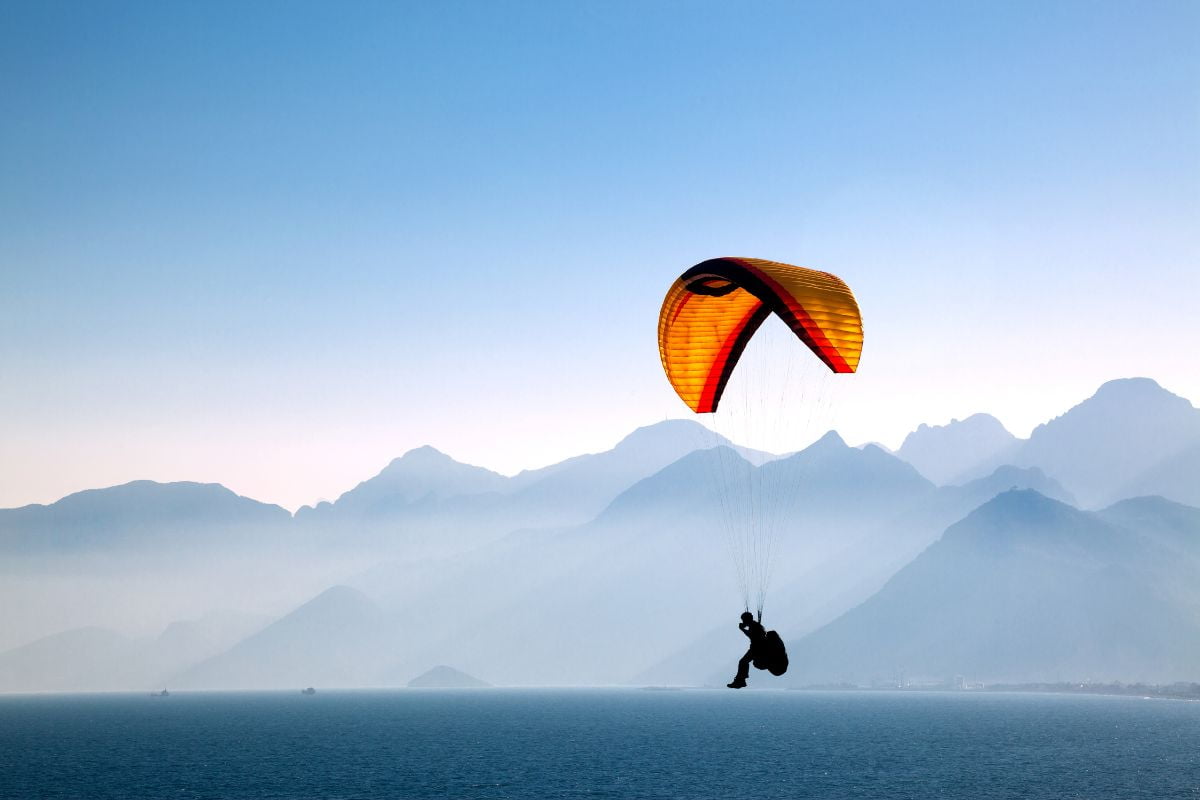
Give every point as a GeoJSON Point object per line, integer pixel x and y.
{"type": "Point", "coordinates": [597, 743]}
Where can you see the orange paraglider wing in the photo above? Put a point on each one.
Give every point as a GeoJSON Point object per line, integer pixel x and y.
{"type": "Point", "coordinates": [712, 310]}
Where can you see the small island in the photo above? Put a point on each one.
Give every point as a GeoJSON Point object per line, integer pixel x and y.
{"type": "Point", "coordinates": [309, 690]}
{"type": "Point", "coordinates": [443, 677]}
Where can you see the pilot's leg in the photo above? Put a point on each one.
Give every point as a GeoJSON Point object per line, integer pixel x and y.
{"type": "Point", "coordinates": [742, 673]}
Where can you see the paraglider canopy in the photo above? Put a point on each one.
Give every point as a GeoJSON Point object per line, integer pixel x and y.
{"type": "Point", "coordinates": [713, 309]}
{"type": "Point", "coordinates": [709, 316]}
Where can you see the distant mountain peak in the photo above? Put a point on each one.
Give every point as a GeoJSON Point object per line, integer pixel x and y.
{"type": "Point", "coordinates": [444, 677]}
{"type": "Point", "coordinates": [1103, 443]}
{"type": "Point", "coordinates": [670, 430]}
{"type": "Point", "coordinates": [1024, 498]}
{"type": "Point", "coordinates": [143, 488]}
{"type": "Point", "coordinates": [1023, 505]}
{"type": "Point", "coordinates": [1151, 502]}
{"type": "Point", "coordinates": [945, 453]}
{"type": "Point", "coordinates": [831, 439]}
{"type": "Point", "coordinates": [425, 454]}
{"type": "Point", "coordinates": [1116, 396]}
{"type": "Point", "coordinates": [421, 473]}
{"type": "Point", "coordinates": [831, 449]}
{"type": "Point", "coordinates": [830, 444]}
{"type": "Point", "coordinates": [427, 458]}
{"type": "Point", "coordinates": [133, 512]}
{"type": "Point", "coordinates": [1129, 386]}
{"type": "Point", "coordinates": [978, 420]}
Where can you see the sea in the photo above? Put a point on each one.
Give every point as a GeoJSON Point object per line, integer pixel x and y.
{"type": "Point", "coordinates": [598, 743]}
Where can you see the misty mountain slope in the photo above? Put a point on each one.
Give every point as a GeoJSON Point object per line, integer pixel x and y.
{"type": "Point", "coordinates": [1176, 477]}
{"type": "Point", "coordinates": [578, 606]}
{"type": "Point", "coordinates": [814, 506]}
{"type": "Point", "coordinates": [187, 642]}
{"type": "Point", "coordinates": [476, 580]}
{"type": "Point", "coordinates": [1172, 525]}
{"type": "Point", "coordinates": [980, 490]}
{"type": "Point", "coordinates": [1126, 428]}
{"type": "Point", "coordinates": [584, 485]}
{"type": "Point", "coordinates": [684, 487]}
{"type": "Point", "coordinates": [139, 556]}
{"type": "Point", "coordinates": [708, 660]}
{"type": "Point", "coordinates": [1022, 589]}
{"type": "Point", "coordinates": [438, 605]}
{"type": "Point", "coordinates": [429, 527]}
{"type": "Point", "coordinates": [417, 585]}
{"type": "Point", "coordinates": [831, 475]}
{"type": "Point", "coordinates": [659, 443]}
{"type": "Point", "coordinates": [579, 630]}
{"type": "Point", "coordinates": [942, 453]}
{"type": "Point", "coordinates": [422, 503]}
{"type": "Point", "coordinates": [141, 514]}
{"type": "Point", "coordinates": [339, 638]}
{"type": "Point", "coordinates": [82, 659]}
{"type": "Point", "coordinates": [99, 659]}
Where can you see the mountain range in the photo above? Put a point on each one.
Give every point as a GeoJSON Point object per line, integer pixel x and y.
{"type": "Point", "coordinates": [932, 561]}
{"type": "Point", "coordinates": [1028, 589]}
{"type": "Point", "coordinates": [1130, 437]}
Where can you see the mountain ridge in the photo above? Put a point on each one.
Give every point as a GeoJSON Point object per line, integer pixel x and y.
{"type": "Point", "coordinates": [1024, 588]}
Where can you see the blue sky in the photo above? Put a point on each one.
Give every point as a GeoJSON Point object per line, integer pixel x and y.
{"type": "Point", "coordinates": [276, 244]}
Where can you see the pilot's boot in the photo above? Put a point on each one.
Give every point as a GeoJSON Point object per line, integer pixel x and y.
{"type": "Point", "coordinates": [738, 683]}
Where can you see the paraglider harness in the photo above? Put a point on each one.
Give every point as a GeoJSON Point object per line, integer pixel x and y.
{"type": "Point", "coordinates": [767, 652]}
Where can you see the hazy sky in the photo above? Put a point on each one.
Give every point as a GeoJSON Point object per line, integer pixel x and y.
{"type": "Point", "coordinates": [275, 245]}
